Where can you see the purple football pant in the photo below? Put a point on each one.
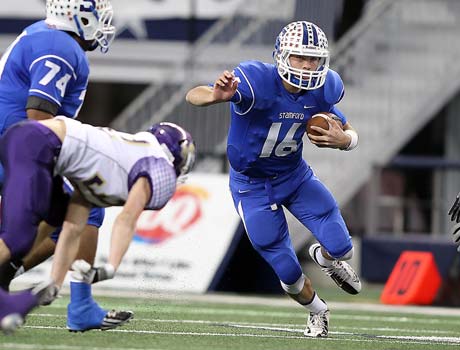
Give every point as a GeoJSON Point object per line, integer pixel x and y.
{"type": "Point", "coordinates": [30, 193]}
{"type": "Point", "coordinates": [21, 303]}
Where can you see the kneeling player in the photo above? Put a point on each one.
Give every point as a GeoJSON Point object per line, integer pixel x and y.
{"type": "Point", "coordinates": [107, 167]}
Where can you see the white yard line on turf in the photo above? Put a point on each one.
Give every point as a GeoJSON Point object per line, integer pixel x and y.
{"type": "Point", "coordinates": [454, 341]}
{"type": "Point", "coordinates": [280, 301]}
{"type": "Point", "coordinates": [389, 329]}
{"type": "Point", "coordinates": [300, 315]}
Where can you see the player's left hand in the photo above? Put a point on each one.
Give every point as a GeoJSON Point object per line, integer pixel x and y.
{"type": "Point", "coordinates": [334, 137]}
{"type": "Point", "coordinates": [225, 86]}
{"type": "Point", "coordinates": [454, 211]}
{"type": "Point", "coordinates": [84, 272]}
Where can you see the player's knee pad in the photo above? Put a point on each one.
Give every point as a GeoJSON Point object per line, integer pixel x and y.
{"type": "Point", "coordinates": [335, 237]}
{"type": "Point", "coordinates": [286, 266]}
{"type": "Point", "coordinates": [294, 288]}
{"type": "Point", "coordinates": [340, 250]}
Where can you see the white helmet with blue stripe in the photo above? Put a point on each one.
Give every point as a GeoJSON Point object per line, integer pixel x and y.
{"type": "Point", "coordinates": [304, 39]}
{"type": "Point", "coordinates": [91, 20]}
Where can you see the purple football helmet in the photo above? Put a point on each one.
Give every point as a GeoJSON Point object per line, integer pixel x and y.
{"type": "Point", "coordinates": [177, 143]}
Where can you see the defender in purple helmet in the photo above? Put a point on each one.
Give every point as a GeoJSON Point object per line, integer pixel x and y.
{"type": "Point", "coordinates": [138, 171]}
{"type": "Point", "coordinates": [177, 143]}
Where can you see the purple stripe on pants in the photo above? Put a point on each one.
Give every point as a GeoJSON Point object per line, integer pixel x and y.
{"type": "Point", "coordinates": [27, 152]}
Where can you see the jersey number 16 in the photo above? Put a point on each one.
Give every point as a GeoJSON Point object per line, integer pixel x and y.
{"type": "Point", "coordinates": [287, 146]}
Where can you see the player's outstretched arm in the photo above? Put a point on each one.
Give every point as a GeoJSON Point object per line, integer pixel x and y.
{"type": "Point", "coordinates": [69, 239]}
{"type": "Point", "coordinates": [223, 90]}
{"type": "Point", "coordinates": [125, 223]}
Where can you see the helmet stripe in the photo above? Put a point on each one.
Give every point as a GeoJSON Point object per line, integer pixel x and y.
{"type": "Point", "coordinates": [80, 31]}
{"type": "Point", "coordinates": [315, 35]}
{"type": "Point", "coordinates": [177, 127]}
{"type": "Point", "coordinates": [305, 34]}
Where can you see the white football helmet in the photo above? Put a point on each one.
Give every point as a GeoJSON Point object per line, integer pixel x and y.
{"type": "Point", "coordinates": [304, 39]}
{"type": "Point", "coordinates": [91, 20]}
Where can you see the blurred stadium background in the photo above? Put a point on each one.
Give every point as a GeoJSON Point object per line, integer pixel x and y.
{"type": "Point", "coordinates": [399, 62]}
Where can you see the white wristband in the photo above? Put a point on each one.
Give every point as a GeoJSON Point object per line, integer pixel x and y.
{"type": "Point", "coordinates": [354, 139]}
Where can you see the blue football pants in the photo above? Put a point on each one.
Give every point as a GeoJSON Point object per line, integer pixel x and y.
{"type": "Point", "coordinates": [258, 202]}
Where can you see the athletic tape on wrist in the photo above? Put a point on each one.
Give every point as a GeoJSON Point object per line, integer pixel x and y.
{"type": "Point", "coordinates": [354, 139]}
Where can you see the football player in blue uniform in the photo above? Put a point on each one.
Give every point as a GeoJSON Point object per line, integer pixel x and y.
{"type": "Point", "coordinates": [270, 106]}
{"type": "Point", "coordinates": [44, 72]}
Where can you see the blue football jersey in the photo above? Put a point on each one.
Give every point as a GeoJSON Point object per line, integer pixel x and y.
{"type": "Point", "coordinates": [46, 63]}
{"type": "Point", "coordinates": [268, 122]}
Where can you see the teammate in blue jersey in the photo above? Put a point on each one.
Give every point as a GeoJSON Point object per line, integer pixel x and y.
{"type": "Point", "coordinates": [270, 106]}
{"type": "Point", "coordinates": [44, 72]}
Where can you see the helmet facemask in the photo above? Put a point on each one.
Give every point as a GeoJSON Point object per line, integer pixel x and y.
{"type": "Point", "coordinates": [105, 32]}
{"type": "Point", "coordinates": [91, 20]}
{"type": "Point", "coordinates": [302, 39]}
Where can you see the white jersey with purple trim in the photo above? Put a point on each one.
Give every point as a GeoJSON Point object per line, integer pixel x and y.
{"type": "Point", "coordinates": [104, 164]}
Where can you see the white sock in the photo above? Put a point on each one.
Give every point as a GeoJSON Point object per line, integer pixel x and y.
{"type": "Point", "coordinates": [73, 279]}
{"type": "Point", "coordinates": [321, 259]}
{"type": "Point", "coordinates": [316, 305]}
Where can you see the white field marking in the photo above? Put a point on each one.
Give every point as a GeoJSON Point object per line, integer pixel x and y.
{"type": "Point", "coordinates": [405, 319]}
{"type": "Point", "coordinates": [281, 301]}
{"type": "Point", "coordinates": [266, 328]}
{"type": "Point", "coordinates": [387, 339]}
{"type": "Point", "coordinates": [389, 329]}
{"type": "Point", "coordinates": [297, 315]}
{"type": "Point", "coordinates": [61, 346]}
{"type": "Point", "coordinates": [449, 340]}
{"type": "Point", "coordinates": [220, 322]}
{"type": "Point", "coordinates": [454, 340]}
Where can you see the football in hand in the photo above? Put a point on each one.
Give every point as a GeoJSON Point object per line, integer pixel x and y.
{"type": "Point", "coordinates": [321, 120]}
